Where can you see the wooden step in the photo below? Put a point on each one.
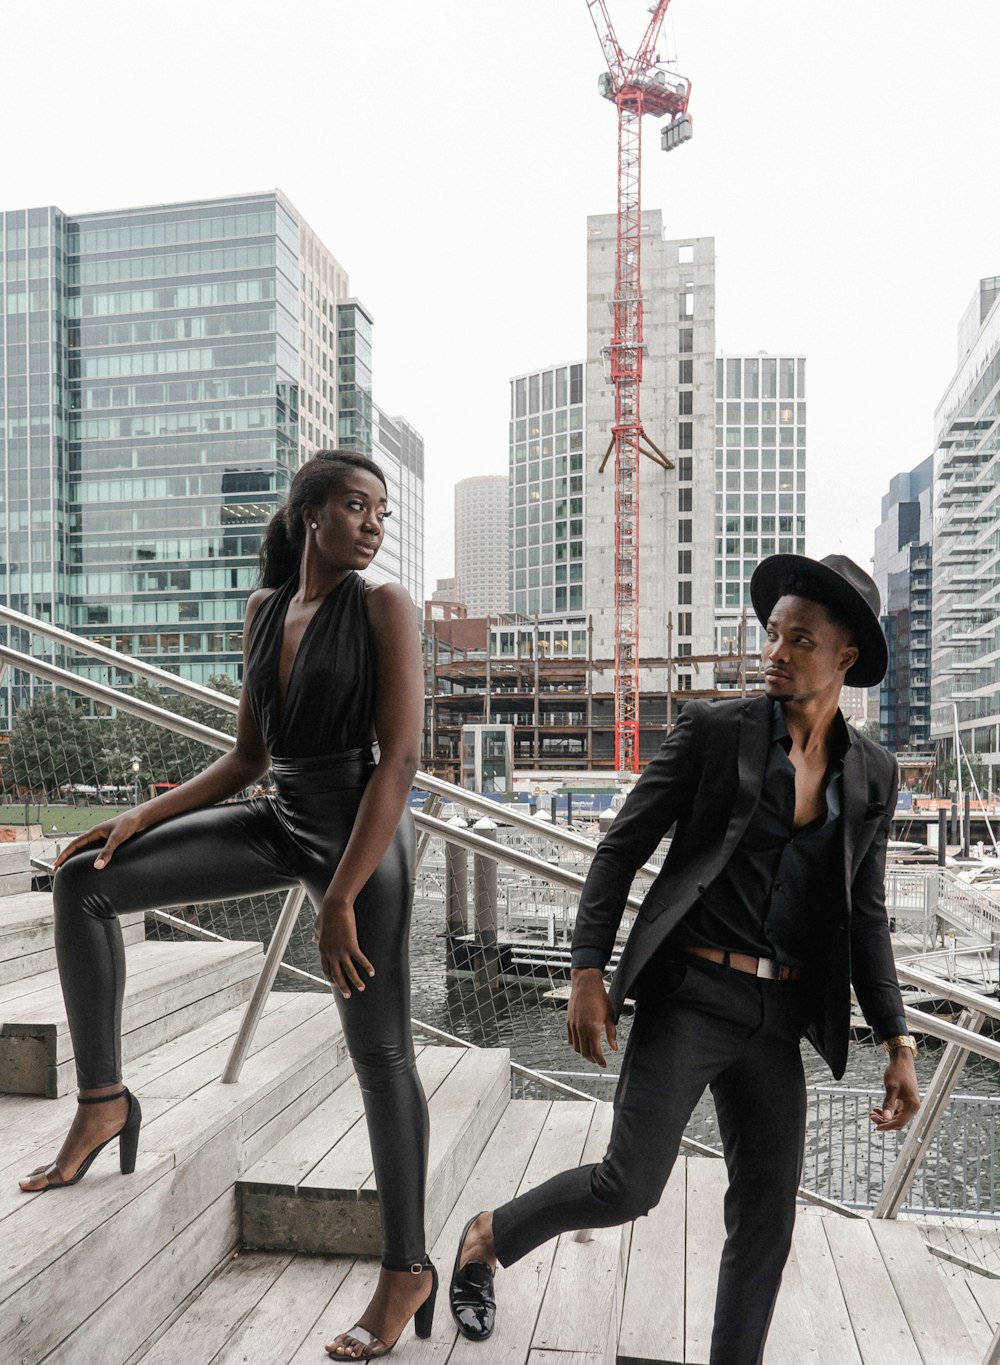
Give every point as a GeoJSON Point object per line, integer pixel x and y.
{"type": "Point", "coordinates": [26, 946]}
{"type": "Point", "coordinates": [854, 1290]}
{"type": "Point", "coordinates": [15, 868]}
{"type": "Point", "coordinates": [272, 1308]}
{"type": "Point", "coordinates": [315, 1191]}
{"type": "Point", "coordinates": [89, 1273]}
{"type": "Point", "coordinates": [170, 988]}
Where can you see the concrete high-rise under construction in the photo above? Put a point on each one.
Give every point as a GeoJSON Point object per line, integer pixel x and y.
{"type": "Point", "coordinates": [676, 540]}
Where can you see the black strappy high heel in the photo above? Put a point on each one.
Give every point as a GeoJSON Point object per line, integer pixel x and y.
{"type": "Point", "coordinates": [423, 1321]}
{"type": "Point", "coordinates": [128, 1145]}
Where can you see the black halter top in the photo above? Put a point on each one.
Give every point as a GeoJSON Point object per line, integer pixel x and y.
{"type": "Point", "coordinates": [331, 689]}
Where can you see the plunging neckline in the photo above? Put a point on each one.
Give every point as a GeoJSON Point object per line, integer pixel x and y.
{"type": "Point", "coordinates": [281, 702]}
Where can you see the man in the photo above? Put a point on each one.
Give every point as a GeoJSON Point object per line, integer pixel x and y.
{"type": "Point", "coordinates": [770, 903]}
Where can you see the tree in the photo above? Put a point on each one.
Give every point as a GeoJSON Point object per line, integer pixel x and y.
{"type": "Point", "coordinates": [164, 755]}
{"type": "Point", "coordinates": [946, 773]}
{"type": "Point", "coordinates": [50, 745]}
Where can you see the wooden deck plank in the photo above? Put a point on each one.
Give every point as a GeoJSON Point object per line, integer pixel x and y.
{"type": "Point", "coordinates": [933, 1319]}
{"type": "Point", "coordinates": [348, 1165]}
{"type": "Point", "coordinates": [339, 1312]}
{"type": "Point", "coordinates": [580, 1308]}
{"type": "Point", "coordinates": [291, 1159]}
{"type": "Point", "coordinates": [811, 1322]}
{"type": "Point", "coordinates": [287, 1314]}
{"type": "Point", "coordinates": [558, 1144]}
{"type": "Point", "coordinates": [704, 1236]}
{"type": "Point", "coordinates": [205, 1327]}
{"type": "Point", "coordinates": [123, 1323]}
{"type": "Point", "coordinates": [975, 1321]}
{"type": "Point", "coordinates": [877, 1319]}
{"type": "Point", "coordinates": [652, 1327]}
{"type": "Point", "coordinates": [986, 1293]}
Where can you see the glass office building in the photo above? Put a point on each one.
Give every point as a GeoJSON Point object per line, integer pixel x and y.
{"type": "Point", "coordinates": [164, 372]}
{"type": "Point", "coordinates": [965, 612]}
{"type": "Point", "coordinates": [546, 492]}
{"type": "Point", "coordinates": [760, 479]}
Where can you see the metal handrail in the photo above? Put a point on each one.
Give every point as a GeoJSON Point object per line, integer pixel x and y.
{"type": "Point", "coordinates": [961, 1039]}
{"type": "Point", "coordinates": [422, 781]}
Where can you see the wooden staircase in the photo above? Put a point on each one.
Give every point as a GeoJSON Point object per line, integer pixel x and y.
{"type": "Point", "coordinates": [158, 1267]}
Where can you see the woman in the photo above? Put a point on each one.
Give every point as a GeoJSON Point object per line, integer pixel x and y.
{"type": "Point", "coordinates": [331, 663]}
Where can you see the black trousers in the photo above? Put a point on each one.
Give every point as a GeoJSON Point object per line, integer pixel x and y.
{"type": "Point", "coordinates": [696, 1025]}
{"type": "Point", "coordinates": [242, 849]}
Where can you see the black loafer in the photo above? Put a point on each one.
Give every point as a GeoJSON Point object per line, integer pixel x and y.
{"type": "Point", "coordinates": [472, 1297]}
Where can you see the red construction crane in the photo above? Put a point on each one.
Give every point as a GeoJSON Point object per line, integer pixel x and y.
{"type": "Point", "coordinates": [636, 86]}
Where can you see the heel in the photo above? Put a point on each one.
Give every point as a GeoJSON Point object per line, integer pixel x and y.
{"type": "Point", "coordinates": [423, 1318]}
{"type": "Point", "coordinates": [128, 1138]}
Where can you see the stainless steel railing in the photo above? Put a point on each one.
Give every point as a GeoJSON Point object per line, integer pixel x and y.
{"type": "Point", "coordinates": [962, 1039]}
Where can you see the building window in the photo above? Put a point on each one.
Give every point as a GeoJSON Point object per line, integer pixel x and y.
{"type": "Point", "coordinates": [685, 254]}
{"type": "Point", "coordinates": [684, 469]}
{"type": "Point", "coordinates": [683, 561]}
{"type": "Point", "coordinates": [684, 499]}
{"type": "Point", "coordinates": [683, 623]}
{"type": "Point", "coordinates": [685, 435]}
{"type": "Point", "coordinates": [684, 532]}
{"type": "Point", "coordinates": [685, 402]}
{"type": "Point", "coordinates": [576, 383]}
{"type": "Point", "coordinates": [684, 592]}
{"type": "Point", "coordinates": [685, 371]}
{"type": "Point", "coordinates": [685, 339]}
{"type": "Point", "coordinates": [684, 649]}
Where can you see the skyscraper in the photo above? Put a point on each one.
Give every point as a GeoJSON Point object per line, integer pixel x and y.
{"type": "Point", "coordinates": [760, 479]}
{"type": "Point", "coordinates": [676, 563]}
{"type": "Point", "coordinates": [166, 368]}
{"type": "Point", "coordinates": [902, 571]}
{"type": "Point", "coordinates": [481, 543]}
{"type": "Point", "coordinates": [547, 492]}
{"type": "Point", "coordinates": [965, 642]}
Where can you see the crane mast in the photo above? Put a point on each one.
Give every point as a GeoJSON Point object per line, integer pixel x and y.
{"type": "Point", "coordinates": [636, 86]}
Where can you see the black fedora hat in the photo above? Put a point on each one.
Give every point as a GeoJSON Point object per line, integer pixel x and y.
{"type": "Point", "coordinates": [836, 582]}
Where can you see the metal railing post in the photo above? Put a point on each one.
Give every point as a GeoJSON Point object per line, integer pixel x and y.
{"type": "Point", "coordinates": [432, 806]}
{"type": "Point", "coordinates": [272, 961]}
{"type": "Point", "coordinates": [926, 1122]}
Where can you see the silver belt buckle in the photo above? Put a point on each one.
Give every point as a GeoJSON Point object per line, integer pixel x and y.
{"type": "Point", "coordinates": [768, 968]}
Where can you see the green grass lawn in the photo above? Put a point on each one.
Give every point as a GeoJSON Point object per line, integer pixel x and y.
{"type": "Point", "coordinates": [59, 819]}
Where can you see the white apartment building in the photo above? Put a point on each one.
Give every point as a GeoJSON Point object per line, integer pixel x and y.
{"type": "Point", "coordinates": [481, 544]}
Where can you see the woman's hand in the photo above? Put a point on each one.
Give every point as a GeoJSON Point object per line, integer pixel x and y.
{"type": "Point", "coordinates": [337, 936]}
{"type": "Point", "coordinates": [113, 832]}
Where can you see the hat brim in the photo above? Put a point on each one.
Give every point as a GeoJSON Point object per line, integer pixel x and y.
{"type": "Point", "coordinates": [766, 588]}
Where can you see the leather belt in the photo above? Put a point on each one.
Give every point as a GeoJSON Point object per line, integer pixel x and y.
{"type": "Point", "coordinates": [765, 967]}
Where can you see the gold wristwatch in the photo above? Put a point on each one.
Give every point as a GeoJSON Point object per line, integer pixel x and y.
{"type": "Point", "coordinates": [901, 1040]}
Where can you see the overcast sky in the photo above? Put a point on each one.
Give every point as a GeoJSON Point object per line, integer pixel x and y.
{"type": "Point", "coordinates": [449, 151]}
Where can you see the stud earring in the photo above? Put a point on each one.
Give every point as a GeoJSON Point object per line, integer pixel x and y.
{"type": "Point", "coordinates": [314, 525]}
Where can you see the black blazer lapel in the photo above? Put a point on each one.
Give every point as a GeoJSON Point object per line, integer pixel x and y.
{"type": "Point", "coordinates": [754, 737]}
{"type": "Point", "coordinates": [855, 796]}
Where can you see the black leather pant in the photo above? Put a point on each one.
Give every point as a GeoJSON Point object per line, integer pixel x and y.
{"type": "Point", "coordinates": [697, 1025]}
{"type": "Point", "coordinates": [243, 849]}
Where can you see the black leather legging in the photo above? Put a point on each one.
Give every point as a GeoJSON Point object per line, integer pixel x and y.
{"type": "Point", "coordinates": [242, 849]}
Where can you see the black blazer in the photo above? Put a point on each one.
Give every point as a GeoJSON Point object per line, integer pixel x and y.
{"type": "Point", "coordinates": [707, 778]}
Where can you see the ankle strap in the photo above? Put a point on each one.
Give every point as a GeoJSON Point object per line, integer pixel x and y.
{"type": "Point", "coordinates": [414, 1267]}
{"type": "Point", "coordinates": [101, 1099]}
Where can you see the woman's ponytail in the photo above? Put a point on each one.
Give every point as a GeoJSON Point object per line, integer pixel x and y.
{"type": "Point", "coordinates": [279, 558]}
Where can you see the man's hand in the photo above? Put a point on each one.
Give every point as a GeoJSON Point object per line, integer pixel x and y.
{"type": "Point", "coordinates": [902, 1098]}
{"type": "Point", "coordinates": [589, 1012]}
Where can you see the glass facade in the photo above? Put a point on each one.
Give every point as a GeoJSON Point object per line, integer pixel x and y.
{"type": "Point", "coordinates": [164, 371]}
{"type": "Point", "coordinates": [965, 642]}
{"type": "Point", "coordinates": [902, 570]}
{"type": "Point", "coordinates": [546, 506]}
{"type": "Point", "coordinates": [760, 478]}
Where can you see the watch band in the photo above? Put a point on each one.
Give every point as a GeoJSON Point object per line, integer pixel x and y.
{"type": "Point", "coordinates": [906, 1040]}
